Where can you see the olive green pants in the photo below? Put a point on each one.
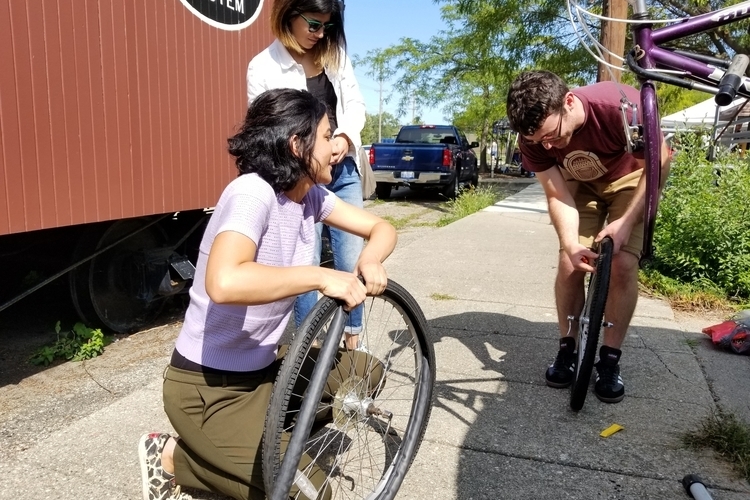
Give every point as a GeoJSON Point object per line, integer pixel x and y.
{"type": "Point", "coordinates": [220, 420]}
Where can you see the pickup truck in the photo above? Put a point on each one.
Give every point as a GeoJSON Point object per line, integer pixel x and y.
{"type": "Point", "coordinates": [425, 156]}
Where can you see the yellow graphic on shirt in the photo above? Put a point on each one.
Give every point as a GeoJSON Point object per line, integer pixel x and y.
{"type": "Point", "coordinates": [584, 165]}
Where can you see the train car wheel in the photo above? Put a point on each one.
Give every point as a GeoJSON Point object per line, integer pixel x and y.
{"type": "Point", "coordinates": [115, 288]}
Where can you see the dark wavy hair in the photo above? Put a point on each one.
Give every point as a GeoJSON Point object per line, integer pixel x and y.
{"type": "Point", "coordinates": [328, 50]}
{"type": "Point", "coordinates": [534, 96]}
{"type": "Point", "coordinates": [263, 143]}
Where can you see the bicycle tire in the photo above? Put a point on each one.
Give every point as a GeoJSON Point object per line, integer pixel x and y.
{"type": "Point", "coordinates": [395, 332]}
{"type": "Point", "coordinates": [590, 323]}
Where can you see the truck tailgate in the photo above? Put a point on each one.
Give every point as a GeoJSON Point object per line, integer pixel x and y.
{"type": "Point", "coordinates": [413, 157]}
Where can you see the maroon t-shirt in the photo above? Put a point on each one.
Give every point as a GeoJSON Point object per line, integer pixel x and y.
{"type": "Point", "coordinates": [597, 149]}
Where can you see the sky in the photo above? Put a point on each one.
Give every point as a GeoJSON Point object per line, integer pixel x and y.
{"type": "Point", "coordinates": [377, 24]}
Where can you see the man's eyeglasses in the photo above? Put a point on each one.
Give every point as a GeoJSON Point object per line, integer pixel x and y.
{"type": "Point", "coordinates": [314, 26]}
{"type": "Point", "coordinates": [545, 139]}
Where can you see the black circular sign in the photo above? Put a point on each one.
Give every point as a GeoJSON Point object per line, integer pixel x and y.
{"type": "Point", "coordinates": [225, 14]}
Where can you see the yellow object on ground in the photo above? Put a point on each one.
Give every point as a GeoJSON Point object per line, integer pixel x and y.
{"type": "Point", "coordinates": [611, 430]}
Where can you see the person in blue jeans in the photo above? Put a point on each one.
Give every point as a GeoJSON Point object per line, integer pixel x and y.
{"type": "Point", "coordinates": [346, 247]}
{"type": "Point", "coordinates": [309, 53]}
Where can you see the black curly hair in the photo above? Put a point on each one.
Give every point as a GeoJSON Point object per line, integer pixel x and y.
{"type": "Point", "coordinates": [263, 143]}
{"type": "Point", "coordinates": [534, 96]}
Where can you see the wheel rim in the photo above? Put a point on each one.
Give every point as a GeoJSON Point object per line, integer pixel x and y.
{"type": "Point", "coordinates": [360, 450]}
{"type": "Point", "coordinates": [583, 337]}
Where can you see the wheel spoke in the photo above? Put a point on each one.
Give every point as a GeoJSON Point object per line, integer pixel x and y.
{"type": "Point", "coordinates": [369, 406]}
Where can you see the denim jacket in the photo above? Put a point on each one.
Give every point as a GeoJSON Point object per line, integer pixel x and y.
{"type": "Point", "coordinates": [275, 68]}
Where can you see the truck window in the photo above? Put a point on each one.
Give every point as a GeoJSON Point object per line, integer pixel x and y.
{"type": "Point", "coordinates": [432, 135]}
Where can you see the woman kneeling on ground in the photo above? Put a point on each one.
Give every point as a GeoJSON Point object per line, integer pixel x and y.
{"type": "Point", "coordinates": [255, 259]}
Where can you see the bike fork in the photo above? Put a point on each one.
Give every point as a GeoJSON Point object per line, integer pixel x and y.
{"type": "Point", "coordinates": [571, 319]}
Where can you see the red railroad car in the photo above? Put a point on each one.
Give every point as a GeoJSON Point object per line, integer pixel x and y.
{"type": "Point", "coordinates": [113, 125]}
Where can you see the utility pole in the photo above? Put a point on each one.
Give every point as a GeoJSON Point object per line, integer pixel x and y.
{"type": "Point", "coordinates": [613, 38]}
{"type": "Point", "coordinates": [380, 110]}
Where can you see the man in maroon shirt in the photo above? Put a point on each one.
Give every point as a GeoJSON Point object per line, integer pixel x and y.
{"type": "Point", "coordinates": [575, 143]}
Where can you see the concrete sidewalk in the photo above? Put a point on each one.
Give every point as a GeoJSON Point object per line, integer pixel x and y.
{"type": "Point", "coordinates": [496, 430]}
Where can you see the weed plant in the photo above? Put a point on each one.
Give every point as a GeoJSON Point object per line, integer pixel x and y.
{"type": "Point", "coordinates": [77, 344]}
{"type": "Point", "coordinates": [468, 202]}
{"type": "Point", "coordinates": [726, 435]}
{"type": "Point", "coordinates": [702, 235]}
{"type": "Point", "coordinates": [701, 295]}
{"type": "Point", "coordinates": [400, 222]}
{"type": "Point", "coordinates": [442, 296]}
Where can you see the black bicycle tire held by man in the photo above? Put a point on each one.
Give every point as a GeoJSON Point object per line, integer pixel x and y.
{"type": "Point", "coordinates": [575, 143]}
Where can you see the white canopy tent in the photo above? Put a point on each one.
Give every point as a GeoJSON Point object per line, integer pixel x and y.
{"type": "Point", "coordinates": [707, 115]}
{"type": "Point", "coordinates": [701, 115]}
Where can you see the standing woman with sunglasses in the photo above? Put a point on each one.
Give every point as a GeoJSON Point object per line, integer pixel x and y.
{"type": "Point", "coordinates": [309, 53]}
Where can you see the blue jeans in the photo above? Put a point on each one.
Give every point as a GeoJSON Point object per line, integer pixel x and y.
{"type": "Point", "coordinates": [346, 247]}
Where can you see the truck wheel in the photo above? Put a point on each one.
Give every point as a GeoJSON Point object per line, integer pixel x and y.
{"type": "Point", "coordinates": [383, 190]}
{"type": "Point", "coordinates": [475, 178]}
{"type": "Point", "coordinates": [451, 190]}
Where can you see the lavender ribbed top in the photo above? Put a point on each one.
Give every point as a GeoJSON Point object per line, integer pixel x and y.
{"type": "Point", "coordinates": [245, 338]}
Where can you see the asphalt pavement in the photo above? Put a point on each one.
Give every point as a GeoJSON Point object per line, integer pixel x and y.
{"type": "Point", "coordinates": [496, 430]}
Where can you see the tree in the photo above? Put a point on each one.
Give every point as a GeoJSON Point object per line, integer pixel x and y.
{"type": "Point", "coordinates": [378, 68]}
{"type": "Point", "coordinates": [468, 67]}
{"type": "Point", "coordinates": [386, 122]}
{"type": "Point", "coordinates": [540, 15]}
{"type": "Point", "coordinates": [724, 42]}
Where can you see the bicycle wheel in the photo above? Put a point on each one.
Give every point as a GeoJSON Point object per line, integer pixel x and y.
{"type": "Point", "coordinates": [590, 323]}
{"type": "Point", "coordinates": [373, 410]}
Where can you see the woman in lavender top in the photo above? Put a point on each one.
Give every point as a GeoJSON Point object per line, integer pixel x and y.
{"type": "Point", "coordinates": [256, 256]}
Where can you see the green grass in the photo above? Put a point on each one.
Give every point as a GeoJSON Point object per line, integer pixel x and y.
{"type": "Point", "coordinates": [728, 436]}
{"type": "Point", "coordinates": [468, 202]}
{"type": "Point", "coordinates": [442, 296]}
{"type": "Point", "coordinates": [408, 220]}
{"type": "Point", "coordinates": [378, 201]}
{"type": "Point", "coordinates": [402, 222]}
{"type": "Point", "coordinates": [700, 295]}
{"type": "Point", "coordinates": [692, 343]}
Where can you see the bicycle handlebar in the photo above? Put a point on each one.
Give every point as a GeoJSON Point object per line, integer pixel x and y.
{"type": "Point", "coordinates": [732, 80]}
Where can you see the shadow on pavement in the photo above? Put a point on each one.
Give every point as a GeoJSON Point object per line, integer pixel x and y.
{"type": "Point", "coordinates": [514, 437]}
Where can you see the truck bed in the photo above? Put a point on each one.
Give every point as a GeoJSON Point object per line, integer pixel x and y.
{"type": "Point", "coordinates": [424, 156]}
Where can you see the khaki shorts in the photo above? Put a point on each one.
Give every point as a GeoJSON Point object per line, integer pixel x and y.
{"type": "Point", "coordinates": [600, 202]}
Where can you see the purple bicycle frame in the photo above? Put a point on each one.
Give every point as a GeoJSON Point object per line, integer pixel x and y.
{"type": "Point", "coordinates": [652, 56]}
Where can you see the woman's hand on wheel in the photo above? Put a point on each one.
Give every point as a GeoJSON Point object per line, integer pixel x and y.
{"type": "Point", "coordinates": [374, 275]}
{"type": "Point", "coordinates": [343, 286]}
